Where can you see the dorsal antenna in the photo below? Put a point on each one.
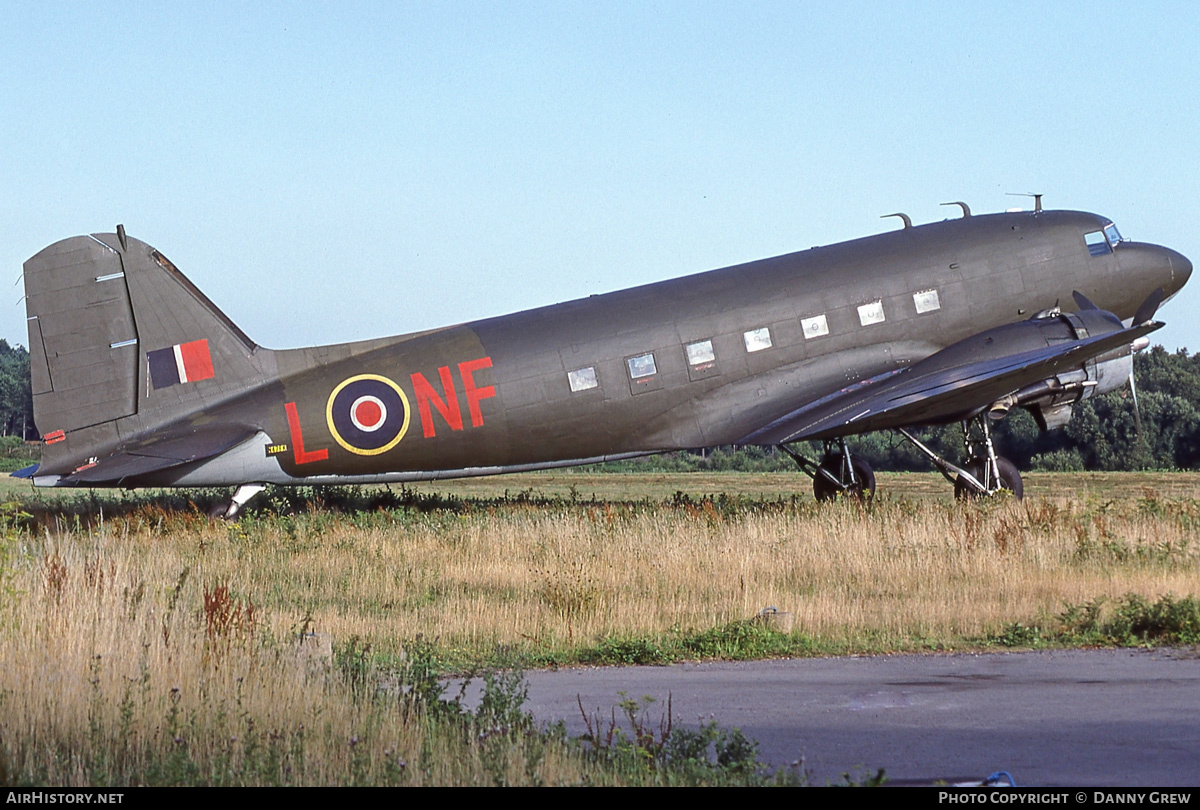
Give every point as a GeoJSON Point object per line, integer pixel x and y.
{"type": "Point", "coordinates": [903, 218]}
{"type": "Point", "coordinates": [1037, 198]}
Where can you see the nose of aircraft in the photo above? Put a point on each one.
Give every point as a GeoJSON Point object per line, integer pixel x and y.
{"type": "Point", "coordinates": [1154, 266]}
{"type": "Point", "coordinates": [1181, 269]}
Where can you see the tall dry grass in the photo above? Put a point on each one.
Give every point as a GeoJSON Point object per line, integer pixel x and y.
{"type": "Point", "coordinates": [127, 660]}
{"type": "Point", "coordinates": [157, 646]}
{"type": "Point", "coordinates": [558, 573]}
{"type": "Point", "coordinates": [561, 574]}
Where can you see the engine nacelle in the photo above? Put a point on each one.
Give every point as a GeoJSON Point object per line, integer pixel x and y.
{"type": "Point", "coordinates": [1051, 400]}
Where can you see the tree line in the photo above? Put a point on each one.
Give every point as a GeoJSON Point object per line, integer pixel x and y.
{"type": "Point", "coordinates": [16, 397]}
{"type": "Point", "coordinates": [1103, 433]}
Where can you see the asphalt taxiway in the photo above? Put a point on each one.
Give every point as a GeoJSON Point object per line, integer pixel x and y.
{"type": "Point", "coordinates": [1078, 717]}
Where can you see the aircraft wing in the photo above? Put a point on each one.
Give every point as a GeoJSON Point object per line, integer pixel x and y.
{"type": "Point", "coordinates": [929, 393]}
{"type": "Point", "coordinates": [179, 446]}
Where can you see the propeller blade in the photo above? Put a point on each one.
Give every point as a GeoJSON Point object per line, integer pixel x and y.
{"type": "Point", "coordinates": [1146, 311]}
{"type": "Point", "coordinates": [1142, 450]}
{"type": "Point", "coordinates": [1082, 301]}
{"type": "Point", "coordinates": [1137, 411]}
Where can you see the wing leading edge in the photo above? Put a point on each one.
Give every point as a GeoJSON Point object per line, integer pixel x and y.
{"type": "Point", "coordinates": [928, 392]}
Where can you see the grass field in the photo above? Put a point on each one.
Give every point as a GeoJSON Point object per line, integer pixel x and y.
{"type": "Point", "coordinates": [915, 486]}
{"type": "Point", "coordinates": [144, 643]}
{"type": "Point", "coordinates": [588, 485]}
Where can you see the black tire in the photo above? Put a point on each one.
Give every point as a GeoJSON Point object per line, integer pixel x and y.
{"type": "Point", "coordinates": [864, 480]}
{"type": "Point", "coordinates": [220, 511]}
{"type": "Point", "coordinates": [1010, 479]}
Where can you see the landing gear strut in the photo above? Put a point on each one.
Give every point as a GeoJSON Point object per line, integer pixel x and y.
{"type": "Point", "coordinates": [839, 473]}
{"type": "Point", "coordinates": [984, 473]}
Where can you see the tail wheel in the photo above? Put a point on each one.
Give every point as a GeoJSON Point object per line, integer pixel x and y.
{"type": "Point", "coordinates": [1010, 478]}
{"type": "Point", "coordinates": [863, 487]}
{"type": "Point", "coordinates": [220, 509]}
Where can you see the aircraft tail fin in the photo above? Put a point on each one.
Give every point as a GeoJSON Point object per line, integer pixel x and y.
{"type": "Point", "coordinates": [121, 342]}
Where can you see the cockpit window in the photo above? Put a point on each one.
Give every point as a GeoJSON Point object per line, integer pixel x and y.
{"type": "Point", "coordinates": [1097, 243]}
{"type": "Point", "coordinates": [1112, 234]}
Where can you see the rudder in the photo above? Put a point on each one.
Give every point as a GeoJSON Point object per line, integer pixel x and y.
{"type": "Point", "coordinates": [83, 353]}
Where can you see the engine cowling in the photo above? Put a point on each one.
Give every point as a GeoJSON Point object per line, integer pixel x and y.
{"type": "Point", "coordinates": [1051, 400]}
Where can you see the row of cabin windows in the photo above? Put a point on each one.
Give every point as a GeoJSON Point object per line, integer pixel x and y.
{"type": "Point", "coordinates": [701, 355]}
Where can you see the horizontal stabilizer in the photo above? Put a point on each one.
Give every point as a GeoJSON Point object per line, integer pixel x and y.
{"type": "Point", "coordinates": [160, 454]}
{"type": "Point", "coordinates": [916, 396]}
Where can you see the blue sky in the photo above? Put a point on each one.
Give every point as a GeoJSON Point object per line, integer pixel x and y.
{"type": "Point", "coordinates": [329, 172]}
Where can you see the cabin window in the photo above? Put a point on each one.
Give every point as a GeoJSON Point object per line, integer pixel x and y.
{"type": "Point", "coordinates": [700, 355]}
{"type": "Point", "coordinates": [816, 326]}
{"type": "Point", "coordinates": [926, 301]}
{"type": "Point", "coordinates": [757, 339]}
{"type": "Point", "coordinates": [642, 366]}
{"type": "Point", "coordinates": [871, 313]}
{"type": "Point", "coordinates": [582, 379]}
{"type": "Point", "coordinates": [1097, 243]}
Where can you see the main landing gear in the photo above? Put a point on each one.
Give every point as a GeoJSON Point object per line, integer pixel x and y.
{"type": "Point", "coordinates": [983, 474]}
{"type": "Point", "coordinates": [838, 474]}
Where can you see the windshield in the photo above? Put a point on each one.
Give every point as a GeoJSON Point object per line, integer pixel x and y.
{"type": "Point", "coordinates": [1112, 234]}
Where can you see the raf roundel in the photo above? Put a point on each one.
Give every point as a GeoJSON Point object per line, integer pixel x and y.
{"type": "Point", "coordinates": [367, 414]}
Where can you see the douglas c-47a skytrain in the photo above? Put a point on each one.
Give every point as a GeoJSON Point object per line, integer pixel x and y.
{"type": "Point", "coordinates": [139, 380]}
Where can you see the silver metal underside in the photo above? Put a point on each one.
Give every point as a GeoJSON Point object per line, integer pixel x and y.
{"type": "Point", "coordinates": [248, 463]}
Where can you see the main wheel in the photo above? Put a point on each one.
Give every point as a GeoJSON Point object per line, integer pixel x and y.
{"type": "Point", "coordinates": [1010, 478]}
{"type": "Point", "coordinates": [864, 480]}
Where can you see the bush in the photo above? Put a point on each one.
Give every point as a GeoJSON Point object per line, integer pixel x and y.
{"type": "Point", "coordinates": [1058, 461]}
